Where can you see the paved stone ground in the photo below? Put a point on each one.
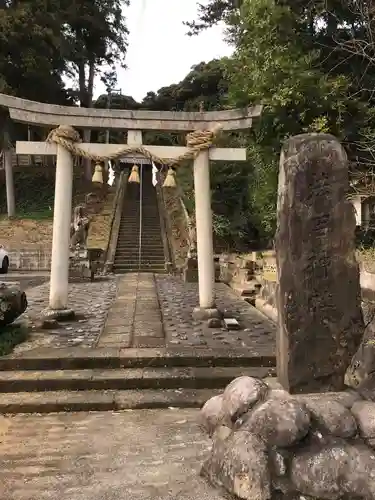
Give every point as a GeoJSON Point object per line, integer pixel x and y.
{"type": "Point", "coordinates": [178, 299]}
{"type": "Point", "coordinates": [134, 319]}
{"type": "Point", "coordinates": [133, 455]}
{"type": "Point", "coordinates": [146, 310]}
{"type": "Point", "coordinates": [91, 301]}
{"type": "Point", "coordinates": [25, 281]}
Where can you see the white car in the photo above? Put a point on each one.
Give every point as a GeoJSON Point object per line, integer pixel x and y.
{"type": "Point", "coordinates": [4, 260]}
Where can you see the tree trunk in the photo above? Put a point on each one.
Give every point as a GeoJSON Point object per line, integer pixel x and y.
{"type": "Point", "coordinates": [13, 303]}
{"type": "Point", "coordinates": [86, 97]}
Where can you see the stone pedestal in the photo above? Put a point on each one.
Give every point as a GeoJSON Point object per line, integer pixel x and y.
{"type": "Point", "coordinates": [79, 264]}
{"type": "Point", "coordinates": [320, 322]}
{"type": "Point", "coordinates": [191, 271]}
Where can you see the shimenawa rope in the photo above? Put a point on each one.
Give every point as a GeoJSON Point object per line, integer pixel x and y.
{"type": "Point", "coordinates": [197, 141]}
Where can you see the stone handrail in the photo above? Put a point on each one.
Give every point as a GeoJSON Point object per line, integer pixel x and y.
{"type": "Point", "coordinates": [37, 113]}
{"type": "Point", "coordinates": [165, 227]}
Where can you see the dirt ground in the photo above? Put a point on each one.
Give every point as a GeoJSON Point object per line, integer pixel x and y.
{"type": "Point", "coordinates": [25, 233]}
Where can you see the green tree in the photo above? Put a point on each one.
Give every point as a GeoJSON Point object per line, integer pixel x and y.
{"type": "Point", "coordinates": [31, 64]}
{"type": "Point", "coordinates": [94, 41]}
{"type": "Point", "coordinates": [296, 58]}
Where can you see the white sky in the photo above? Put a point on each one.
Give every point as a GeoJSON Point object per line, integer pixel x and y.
{"type": "Point", "coordinates": [160, 53]}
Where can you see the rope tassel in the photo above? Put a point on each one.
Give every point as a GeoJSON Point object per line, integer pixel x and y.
{"type": "Point", "coordinates": [97, 178]}
{"type": "Point", "coordinates": [134, 176]}
{"type": "Point", "coordinates": [170, 180]}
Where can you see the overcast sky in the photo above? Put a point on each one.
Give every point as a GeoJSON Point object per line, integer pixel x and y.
{"type": "Point", "coordinates": [160, 53]}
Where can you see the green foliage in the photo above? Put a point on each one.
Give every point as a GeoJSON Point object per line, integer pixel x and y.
{"type": "Point", "coordinates": [42, 41]}
{"type": "Point", "coordinates": [30, 57]}
{"type": "Point", "coordinates": [11, 336]}
{"type": "Point", "coordinates": [34, 192]}
{"type": "Point", "coordinates": [94, 37]}
{"type": "Point", "coordinates": [309, 64]}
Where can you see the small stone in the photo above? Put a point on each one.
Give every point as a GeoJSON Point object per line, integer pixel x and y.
{"type": "Point", "coordinates": [278, 461]}
{"type": "Point", "coordinates": [279, 422]}
{"type": "Point", "coordinates": [49, 324]}
{"type": "Point", "coordinates": [239, 464]}
{"type": "Point", "coordinates": [364, 413]}
{"type": "Point", "coordinates": [202, 314]}
{"type": "Point", "coordinates": [241, 395]}
{"type": "Point", "coordinates": [214, 323]}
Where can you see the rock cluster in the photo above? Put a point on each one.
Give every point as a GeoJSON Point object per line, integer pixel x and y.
{"type": "Point", "coordinates": [268, 444]}
{"type": "Point", "coordinates": [13, 303]}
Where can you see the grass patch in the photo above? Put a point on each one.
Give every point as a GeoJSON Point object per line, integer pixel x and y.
{"type": "Point", "coordinates": [11, 336]}
{"type": "Point", "coordinates": [42, 215]}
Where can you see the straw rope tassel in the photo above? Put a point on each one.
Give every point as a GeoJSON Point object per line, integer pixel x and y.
{"type": "Point", "coordinates": [170, 180]}
{"type": "Point", "coordinates": [97, 178]}
{"type": "Point", "coordinates": [197, 141]}
{"type": "Point", "coordinates": [134, 176]}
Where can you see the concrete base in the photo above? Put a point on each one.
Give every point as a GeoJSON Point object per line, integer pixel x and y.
{"type": "Point", "coordinates": [202, 313]}
{"type": "Point", "coordinates": [58, 314]}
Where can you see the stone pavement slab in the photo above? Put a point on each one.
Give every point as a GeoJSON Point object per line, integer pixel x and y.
{"type": "Point", "coordinates": [132, 455]}
{"type": "Point", "coordinates": [90, 300]}
{"type": "Point", "coordinates": [143, 310]}
{"type": "Point", "coordinates": [177, 301]}
{"type": "Point", "coordinates": [134, 319]}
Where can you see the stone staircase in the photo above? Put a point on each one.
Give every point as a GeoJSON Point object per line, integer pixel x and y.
{"type": "Point", "coordinates": [151, 256]}
{"type": "Point", "coordinates": [73, 379]}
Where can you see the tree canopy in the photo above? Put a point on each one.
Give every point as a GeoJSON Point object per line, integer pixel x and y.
{"type": "Point", "coordinates": [311, 64]}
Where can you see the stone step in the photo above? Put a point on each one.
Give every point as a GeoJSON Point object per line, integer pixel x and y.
{"type": "Point", "coordinates": [133, 258]}
{"type": "Point", "coordinates": [125, 245]}
{"type": "Point", "coordinates": [133, 218]}
{"type": "Point", "coordinates": [125, 379]}
{"type": "Point", "coordinates": [133, 263]}
{"type": "Point", "coordinates": [134, 221]}
{"type": "Point", "coordinates": [63, 401]}
{"type": "Point", "coordinates": [133, 248]}
{"type": "Point", "coordinates": [130, 235]}
{"type": "Point", "coordinates": [76, 358]}
{"type": "Point", "coordinates": [146, 253]}
{"type": "Point", "coordinates": [151, 226]}
{"type": "Point", "coordinates": [151, 270]}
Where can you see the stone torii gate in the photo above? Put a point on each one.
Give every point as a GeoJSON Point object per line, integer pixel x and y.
{"type": "Point", "coordinates": [134, 122]}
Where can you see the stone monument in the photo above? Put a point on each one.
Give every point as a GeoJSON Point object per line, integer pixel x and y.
{"type": "Point", "coordinates": [320, 323]}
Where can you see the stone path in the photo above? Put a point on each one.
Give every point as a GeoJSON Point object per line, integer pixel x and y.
{"type": "Point", "coordinates": [142, 310]}
{"type": "Point", "coordinates": [135, 455]}
{"type": "Point", "coordinates": [177, 301]}
{"type": "Point", "coordinates": [135, 319]}
{"type": "Point", "coordinates": [91, 302]}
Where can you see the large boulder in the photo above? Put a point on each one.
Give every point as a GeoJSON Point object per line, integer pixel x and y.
{"type": "Point", "coordinates": [13, 303]}
{"type": "Point", "coordinates": [239, 464]}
